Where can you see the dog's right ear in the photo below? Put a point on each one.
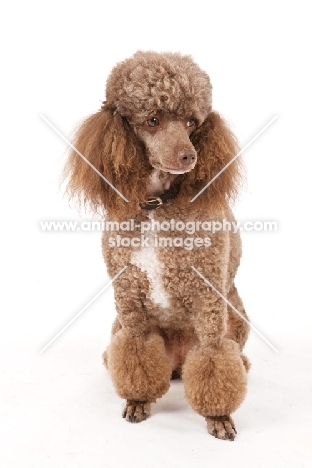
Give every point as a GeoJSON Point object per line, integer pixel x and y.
{"type": "Point", "coordinates": [111, 147]}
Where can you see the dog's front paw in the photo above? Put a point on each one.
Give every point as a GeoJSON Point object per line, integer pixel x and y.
{"type": "Point", "coordinates": [136, 411]}
{"type": "Point", "coordinates": [215, 379]}
{"type": "Point", "coordinates": [221, 427]}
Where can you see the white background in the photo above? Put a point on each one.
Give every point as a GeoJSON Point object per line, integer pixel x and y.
{"type": "Point", "coordinates": [59, 408]}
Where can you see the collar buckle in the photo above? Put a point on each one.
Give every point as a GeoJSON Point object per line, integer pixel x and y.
{"type": "Point", "coordinates": [152, 203]}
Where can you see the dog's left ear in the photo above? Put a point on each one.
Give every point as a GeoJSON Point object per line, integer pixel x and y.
{"type": "Point", "coordinates": [216, 147]}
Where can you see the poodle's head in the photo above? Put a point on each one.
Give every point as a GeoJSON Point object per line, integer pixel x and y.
{"type": "Point", "coordinates": [156, 121]}
{"type": "Point", "coordinates": [164, 97]}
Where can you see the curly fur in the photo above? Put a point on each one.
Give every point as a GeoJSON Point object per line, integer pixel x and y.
{"type": "Point", "coordinates": [203, 394]}
{"type": "Point", "coordinates": [150, 81]}
{"type": "Point", "coordinates": [191, 330]}
{"type": "Point", "coordinates": [142, 382]}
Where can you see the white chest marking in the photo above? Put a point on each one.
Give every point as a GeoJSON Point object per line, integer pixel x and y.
{"type": "Point", "coordinates": [146, 259]}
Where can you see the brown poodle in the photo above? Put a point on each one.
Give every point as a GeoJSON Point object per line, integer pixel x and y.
{"type": "Point", "coordinates": [157, 143]}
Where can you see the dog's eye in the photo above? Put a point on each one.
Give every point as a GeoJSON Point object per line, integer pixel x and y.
{"type": "Point", "coordinates": [153, 122]}
{"type": "Point", "coordinates": [191, 123]}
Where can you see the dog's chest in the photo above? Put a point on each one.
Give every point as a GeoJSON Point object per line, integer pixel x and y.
{"type": "Point", "coordinates": [147, 260]}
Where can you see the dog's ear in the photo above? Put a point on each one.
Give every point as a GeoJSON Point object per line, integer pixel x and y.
{"type": "Point", "coordinates": [109, 144]}
{"type": "Point", "coordinates": [216, 146]}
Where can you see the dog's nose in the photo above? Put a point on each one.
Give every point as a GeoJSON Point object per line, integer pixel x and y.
{"type": "Point", "coordinates": [187, 157]}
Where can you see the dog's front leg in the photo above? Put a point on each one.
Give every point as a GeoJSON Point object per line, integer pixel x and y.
{"type": "Point", "coordinates": [136, 356]}
{"type": "Point", "coordinates": [214, 375]}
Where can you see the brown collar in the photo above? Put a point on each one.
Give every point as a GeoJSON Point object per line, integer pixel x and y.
{"type": "Point", "coordinates": [152, 203]}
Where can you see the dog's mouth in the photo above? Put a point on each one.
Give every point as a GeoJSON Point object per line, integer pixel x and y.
{"type": "Point", "coordinates": [173, 170]}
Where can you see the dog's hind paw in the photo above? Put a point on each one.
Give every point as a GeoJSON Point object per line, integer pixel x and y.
{"type": "Point", "coordinates": [136, 411]}
{"type": "Point", "coordinates": [221, 427]}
